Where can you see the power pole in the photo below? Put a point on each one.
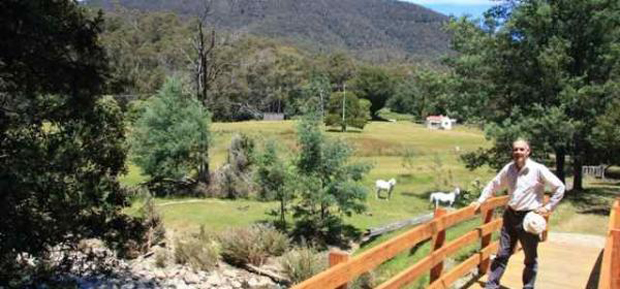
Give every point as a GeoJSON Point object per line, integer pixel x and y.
{"type": "Point", "coordinates": [344, 97]}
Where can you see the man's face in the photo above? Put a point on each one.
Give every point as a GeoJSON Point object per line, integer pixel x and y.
{"type": "Point", "coordinates": [520, 152]}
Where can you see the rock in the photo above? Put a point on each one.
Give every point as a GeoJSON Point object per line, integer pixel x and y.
{"type": "Point", "coordinates": [179, 284]}
{"type": "Point", "coordinates": [214, 279]}
{"type": "Point", "coordinates": [230, 273]}
{"type": "Point", "coordinates": [235, 284]}
{"type": "Point", "coordinates": [191, 278]}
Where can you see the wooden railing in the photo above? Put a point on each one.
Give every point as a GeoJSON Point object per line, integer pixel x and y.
{"type": "Point", "coordinates": [344, 270]}
{"type": "Point", "coordinates": [610, 268]}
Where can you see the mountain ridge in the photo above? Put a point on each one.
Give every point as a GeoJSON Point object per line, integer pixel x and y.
{"type": "Point", "coordinates": [373, 29]}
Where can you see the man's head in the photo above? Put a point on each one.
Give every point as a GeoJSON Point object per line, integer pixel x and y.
{"type": "Point", "coordinates": [520, 152]}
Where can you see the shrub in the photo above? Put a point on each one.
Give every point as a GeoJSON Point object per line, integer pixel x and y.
{"type": "Point", "coordinates": [201, 251]}
{"type": "Point", "coordinates": [161, 257]}
{"type": "Point", "coordinates": [301, 263]}
{"type": "Point", "coordinates": [367, 280]}
{"type": "Point", "coordinates": [152, 221]}
{"type": "Point", "coordinates": [252, 244]}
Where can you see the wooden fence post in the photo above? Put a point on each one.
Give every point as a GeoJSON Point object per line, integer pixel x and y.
{"type": "Point", "coordinates": [487, 216]}
{"type": "Point", "coordinates": [439, 238]}
{"type": "Point", "coordinates": [615, 259]}
{"type": "Point", "coordinates": [335, 258]}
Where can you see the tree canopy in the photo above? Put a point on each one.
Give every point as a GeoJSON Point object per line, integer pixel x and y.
{"type": "Point", "coordinates": [170, 141]}
{"type": "Point", "coordinates": [61, 142]}
{"type": "Point", "coordinates": [543, 70]}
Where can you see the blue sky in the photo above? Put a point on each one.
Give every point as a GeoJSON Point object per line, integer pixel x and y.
{"type": "Point", "coordinates": [474, 8]}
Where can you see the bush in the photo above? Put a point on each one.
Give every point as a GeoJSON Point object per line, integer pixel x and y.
{"type": "Point", "coordinates": [302, 263]}
{"type": "Point", "coordinates": [201, 251]}
{"type": "Point", "coordinates": [154, 224]}
{"type": "Point", "coordinates": [252, 245]}
{"type": "Point", "coordinates": [367, 280]}
{"type": "Point", "coordinates": [161, 257]}
{"type": "Point", "coordinates": [234, 178]}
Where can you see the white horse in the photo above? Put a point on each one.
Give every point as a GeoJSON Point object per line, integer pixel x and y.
{"type": "Point", "coordinates": [449, 198]}
{"type": "Point", "coordinates": [388, 186]}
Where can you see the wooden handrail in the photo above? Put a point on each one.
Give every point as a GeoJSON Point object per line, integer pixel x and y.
{"type": "Point", "coordinates": [610, 267]}
{"type": "Point", "coordinates": [344, 272]}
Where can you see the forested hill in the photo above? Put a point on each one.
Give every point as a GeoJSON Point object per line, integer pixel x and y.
{"type": "Point", "coordinates": [373, 29]}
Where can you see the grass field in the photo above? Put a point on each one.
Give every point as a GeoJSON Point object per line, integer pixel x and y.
{"type": "Point", "coordinates": [436, 166]}
{"type": "Point", "coordinates": [380, 143]}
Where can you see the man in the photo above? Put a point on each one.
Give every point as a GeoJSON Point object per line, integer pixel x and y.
{"type": "Point", "coordinates": [525, 181]}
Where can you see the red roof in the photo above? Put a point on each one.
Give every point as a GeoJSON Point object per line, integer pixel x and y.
{"type": "Point", "coordinates": [435, 117]}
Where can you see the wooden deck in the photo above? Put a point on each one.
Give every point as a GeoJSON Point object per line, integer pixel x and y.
{"type": "Point", "coordinates": [565, 261]}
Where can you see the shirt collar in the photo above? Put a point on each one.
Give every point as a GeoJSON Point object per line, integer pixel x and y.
{"type": "Point", "coordinates": [525, 168]}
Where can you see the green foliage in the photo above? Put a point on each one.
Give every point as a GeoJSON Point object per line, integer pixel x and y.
{"type": "Point", "coordinates": [356, 111]}
{"type": "Point", "coordinates": [153, 223]}
{"type": "Point", "coordinates": [61, 142]}
{"type": "Point", "coordinates": [302, 263]}
{"type": "Point", "coordinates": [376, 31]}
{"type": "Point", "coordinates": [171, 139]}
{"type": "Point", "coordinates": [252, 245]}
{"type": "Point", "coordinates": [274, 178]}
{"type": "Point", "coordinates": [558, 63]}
{"type": "Point", "coordinates": [606, 134]}
{"type": "Point", "coordinates": [376, 85]}
{"type": "Point", "coordinates": [328, 184]}
{"type": "Point", "coordinates": [234, 178]}
{"type": "Point", "coordinates": [422, 94]}
{"type": "Point", "coordinates": [200, 251]}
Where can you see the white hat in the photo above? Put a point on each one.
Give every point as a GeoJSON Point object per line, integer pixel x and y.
{"type": "Point", "coordinates": [534, 223]}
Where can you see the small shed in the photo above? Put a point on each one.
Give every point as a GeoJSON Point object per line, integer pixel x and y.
{"type": "Point", "coordinates": [439, 122]}
{"type": "Point", "coordinates": [273, 116]}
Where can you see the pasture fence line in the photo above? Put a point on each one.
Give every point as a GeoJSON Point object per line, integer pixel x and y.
{"type": "Point", "coordinates": [344, 269]}
{"type": "Point", "coordinates": [610, 268]}
{"type": "Point", "coordinates": [595, 171]}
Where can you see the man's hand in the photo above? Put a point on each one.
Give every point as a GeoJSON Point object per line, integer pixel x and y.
{"type": "Point", "coordinates": [542, 211]}
{"type": "Point", "coordinates": [476, 205]}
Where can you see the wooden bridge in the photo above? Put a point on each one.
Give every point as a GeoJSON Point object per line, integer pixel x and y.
{"type": "Point", "coordinates": [564, 262]}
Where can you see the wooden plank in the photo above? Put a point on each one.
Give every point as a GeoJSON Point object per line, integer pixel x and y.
{"type": "Point", "coordinates": [615, 259]}
{"type": "Point", "coordinates": [487, 229]}
{"type": "Point", "coordinates": [487, 216]}
{"type": "Point", "coordinates": [456, 217]}
{"type": "Point", "coordinates": [465, 267]}
{"type": "Point", "coordinates": [342, 273]}
{"type": "Point", "coordinates": [410, 274]}
{"type": "Point", "coordinates": [438, 240]}
{"type": "Point", "coordinates": [493, 203]}
{"type": "Point", "coordinates": [605, 280]}
{"type": "Point", "coordinates": [459, 270]}
{"type": "Point", "coordinates": [374, 232]}
{"type": "Point", "coordinates": [337, 257]}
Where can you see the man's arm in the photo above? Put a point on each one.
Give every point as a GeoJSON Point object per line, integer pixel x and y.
{"type": "Point", "coordinates": [498, 183]}
{"type": "Point", "coordinates": [557, 187]}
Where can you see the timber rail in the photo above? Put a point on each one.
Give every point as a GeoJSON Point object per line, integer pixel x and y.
{"type": "Point", "coordinates": [344, 270]}
{"type": "Point", "coordinates": [610, 268]}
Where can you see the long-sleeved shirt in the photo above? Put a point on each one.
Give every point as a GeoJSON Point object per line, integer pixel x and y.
{"type": "Point", "coordinates": [526, 187]}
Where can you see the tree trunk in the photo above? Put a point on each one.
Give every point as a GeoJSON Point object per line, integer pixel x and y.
{"type": "Point", "coordinates": [560, 156]}
{"type": "Point", "coordinates": [203, 174]}
{"type": "Point", "coordinates": [577, 176]}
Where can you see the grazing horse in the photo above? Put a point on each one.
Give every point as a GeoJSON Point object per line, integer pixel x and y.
{"type": "Point", "coordinates": [440, 197]}
{"type": "Point", "coordinates": [388, 186]}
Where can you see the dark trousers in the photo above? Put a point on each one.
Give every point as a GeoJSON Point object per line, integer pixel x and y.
{"type": "Point", "coordinates": [512, 230]}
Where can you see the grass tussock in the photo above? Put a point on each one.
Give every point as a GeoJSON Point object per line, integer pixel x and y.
{"type": "Point", "coordinates": [200, 251]}
{"type": "Point", "coordinates": [301, 263]}
{"type": "Point", "coordinates": [252, 245]}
